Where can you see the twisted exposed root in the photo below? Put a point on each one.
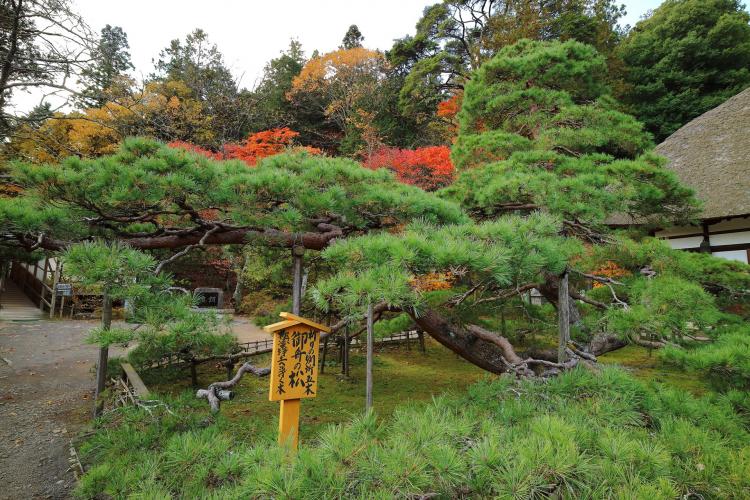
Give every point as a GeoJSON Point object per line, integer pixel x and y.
{"type": "Point", "coordinates": [217, 392]}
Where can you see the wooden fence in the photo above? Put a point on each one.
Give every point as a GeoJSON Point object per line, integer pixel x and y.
{"type": "Point", "coordinates": [257, 347]}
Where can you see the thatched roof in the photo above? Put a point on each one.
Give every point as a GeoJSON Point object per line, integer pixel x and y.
{"type": "Point", "coordinates": [711, 154]}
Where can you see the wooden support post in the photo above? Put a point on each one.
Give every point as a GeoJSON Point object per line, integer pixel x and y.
{"type": "Point", "coordinates": [408, 341]}
{"type": "Point", "coordinates": [238, 288]}
{"type": "Point", "coordinates": [193, 373]}
{"type": "Point", "coordinates": [55, 280]}
{"type": "Point", "coordinates": [3, 275]}
{"type": "Point", "coordinates": [368, 399]}
{"type": "Point", "coordinates": [62, 307]}
{"type": "Point", "coordinates": [101, 366]}
{"type": "Point", "coordinates": [323, 357]}
{"type": "Point", "coordinates": [563, 315]}
{"type": "Point", "coordinates": [289, 423]}
{"type": "Point", "coordinates": [420, 333]}
{"type": "Point", "coordinates": [42, 283]}
{"type": "Point", "coordinates": [503, 327]}
{"type": "Point", "coordinates": [297, 253]}
{"type": "Point", "coordinates": [345, 352]}
{"type": "Point", "coordinates": [230, 369]}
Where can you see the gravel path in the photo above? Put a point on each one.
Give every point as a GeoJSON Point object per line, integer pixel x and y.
{"type": "Point", "coordinates": [46, 390]}
{"type": "Point", "coordinates": [46, 386]}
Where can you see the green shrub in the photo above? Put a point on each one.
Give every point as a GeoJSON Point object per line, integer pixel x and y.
{"type": "Point", "coordinates": [726, 361]}
{"type": "Point", "coordinates": [580, 435]}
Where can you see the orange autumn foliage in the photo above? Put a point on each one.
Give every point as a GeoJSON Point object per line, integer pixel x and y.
{"type": "Point", "coordinates": [609, 270]}
{"type": "Point", "coordinates": [256, 146]}
{"type": "Point", "coordinates": [343, 82]}
{"type": "Point", "coordinates": [429, 168]}
{"type": "Point", "coordinates": [263, 144]}
{"type": "Point", "coordinates": [433, 281]}
{"type": "Point", "coordinates": [450, 107]}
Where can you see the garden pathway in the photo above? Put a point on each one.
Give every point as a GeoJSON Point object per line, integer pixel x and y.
{"type": "Point", "coordinates": [247, 331]}
{"type": "Point", "coordinates": [15, 306]}
{"type": "Point", "coordinates": [46, 387]}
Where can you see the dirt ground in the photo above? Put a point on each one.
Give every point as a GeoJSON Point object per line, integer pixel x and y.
{"type": "Point", "coordinates": [46, 390]}
{"type": "Point", "coordinates": [247, 331]}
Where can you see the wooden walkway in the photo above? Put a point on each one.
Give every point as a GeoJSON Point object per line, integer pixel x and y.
{"type": "Point", "coordinates": [16, 306]}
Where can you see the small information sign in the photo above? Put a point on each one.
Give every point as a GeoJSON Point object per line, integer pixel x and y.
{"type": "Point", "coordinates": [294, 370]}
{"type": "Point", "coordinates": [294, 363]}
{"type": "Point", "coordinates": [64, 289]}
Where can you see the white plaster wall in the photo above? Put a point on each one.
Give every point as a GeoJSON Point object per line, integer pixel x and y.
{"type": "Point", "coordinates": [730, 238]}
{"type": "Point", "coordinates": [684, 243]}
{"type": "Point", "coordinates": [740, 255]}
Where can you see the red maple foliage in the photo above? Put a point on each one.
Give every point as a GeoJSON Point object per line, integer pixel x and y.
{"type": "Point", "coordinates": [261, 145]}
{"type": "Point", "coordinates": [255, 147]}
{"type": "Point", "coordinates": [451, 106]}
{"type": "Point", "coordinates": [429, 168]}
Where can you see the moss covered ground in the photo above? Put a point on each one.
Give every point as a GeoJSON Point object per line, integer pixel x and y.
{"type": "Point", "coordinates": [645, 364]}
{"type": "Point", "coordinates": [400, 377]}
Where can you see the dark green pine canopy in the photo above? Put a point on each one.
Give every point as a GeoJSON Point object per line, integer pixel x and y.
{"type": "Point", "coordinates": [153, 196]}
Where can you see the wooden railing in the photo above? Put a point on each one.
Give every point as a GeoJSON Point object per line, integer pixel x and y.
{"type": "Point", "coordinates": [34, 288]}
{"type": "Point", "coordinates": [257, 347]}
{"type": "Point", "coordinates": [406, 336]}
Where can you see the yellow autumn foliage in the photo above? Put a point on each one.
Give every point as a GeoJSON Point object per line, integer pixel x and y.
{"type": "Point", "coordinates": [343, 78]}
{"type": "Point", "coordinates": [164, 110]}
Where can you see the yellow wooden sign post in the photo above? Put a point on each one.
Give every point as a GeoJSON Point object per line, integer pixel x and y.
{"type": "Point", "coordinates": [294, 370]}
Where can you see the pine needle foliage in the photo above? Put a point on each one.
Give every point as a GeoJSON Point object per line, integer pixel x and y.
{"type": "Point", "coordinates": [726, 361]}
{"type": "Point", "coordinates": [580, 435]}
{"type": "Point", "coordinates": [505, 252]}
{"type": "Point", "coordinates": [539, 130]}
{"type": "Point", "coordinates": [168, 323]}
{"type": "Point", "coordinates": [147, 186]}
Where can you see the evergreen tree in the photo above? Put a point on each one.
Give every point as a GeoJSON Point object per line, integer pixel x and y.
{"type": "Point", "coordinates": [111, 59]}
{"type": "Point", "coordinates": [545, 159]}
{"type": "Point", "coordinates": [200, 65]}
{"type": "Point", "coordinates": [538, 130]}
{"type": "Point", "coordinates": [688, 57]}
{"type": "Point", "coordinates": [353, 38]}
{"type": "Point", "coordinates": [153, 196]}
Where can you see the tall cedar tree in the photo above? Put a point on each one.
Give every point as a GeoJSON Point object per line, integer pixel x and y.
{"type": "Point", "coordinates": [111, 60]}
{"type": "Point", "coordinates": [200, 65]}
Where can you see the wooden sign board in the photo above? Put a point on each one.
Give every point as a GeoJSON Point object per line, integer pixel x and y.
{"type": "Point", "coordinates": [294, 370]}
{"type": "Point", "coordinates": [64, 289]}
{"type": "Point", "coordinates": [294, 363]}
